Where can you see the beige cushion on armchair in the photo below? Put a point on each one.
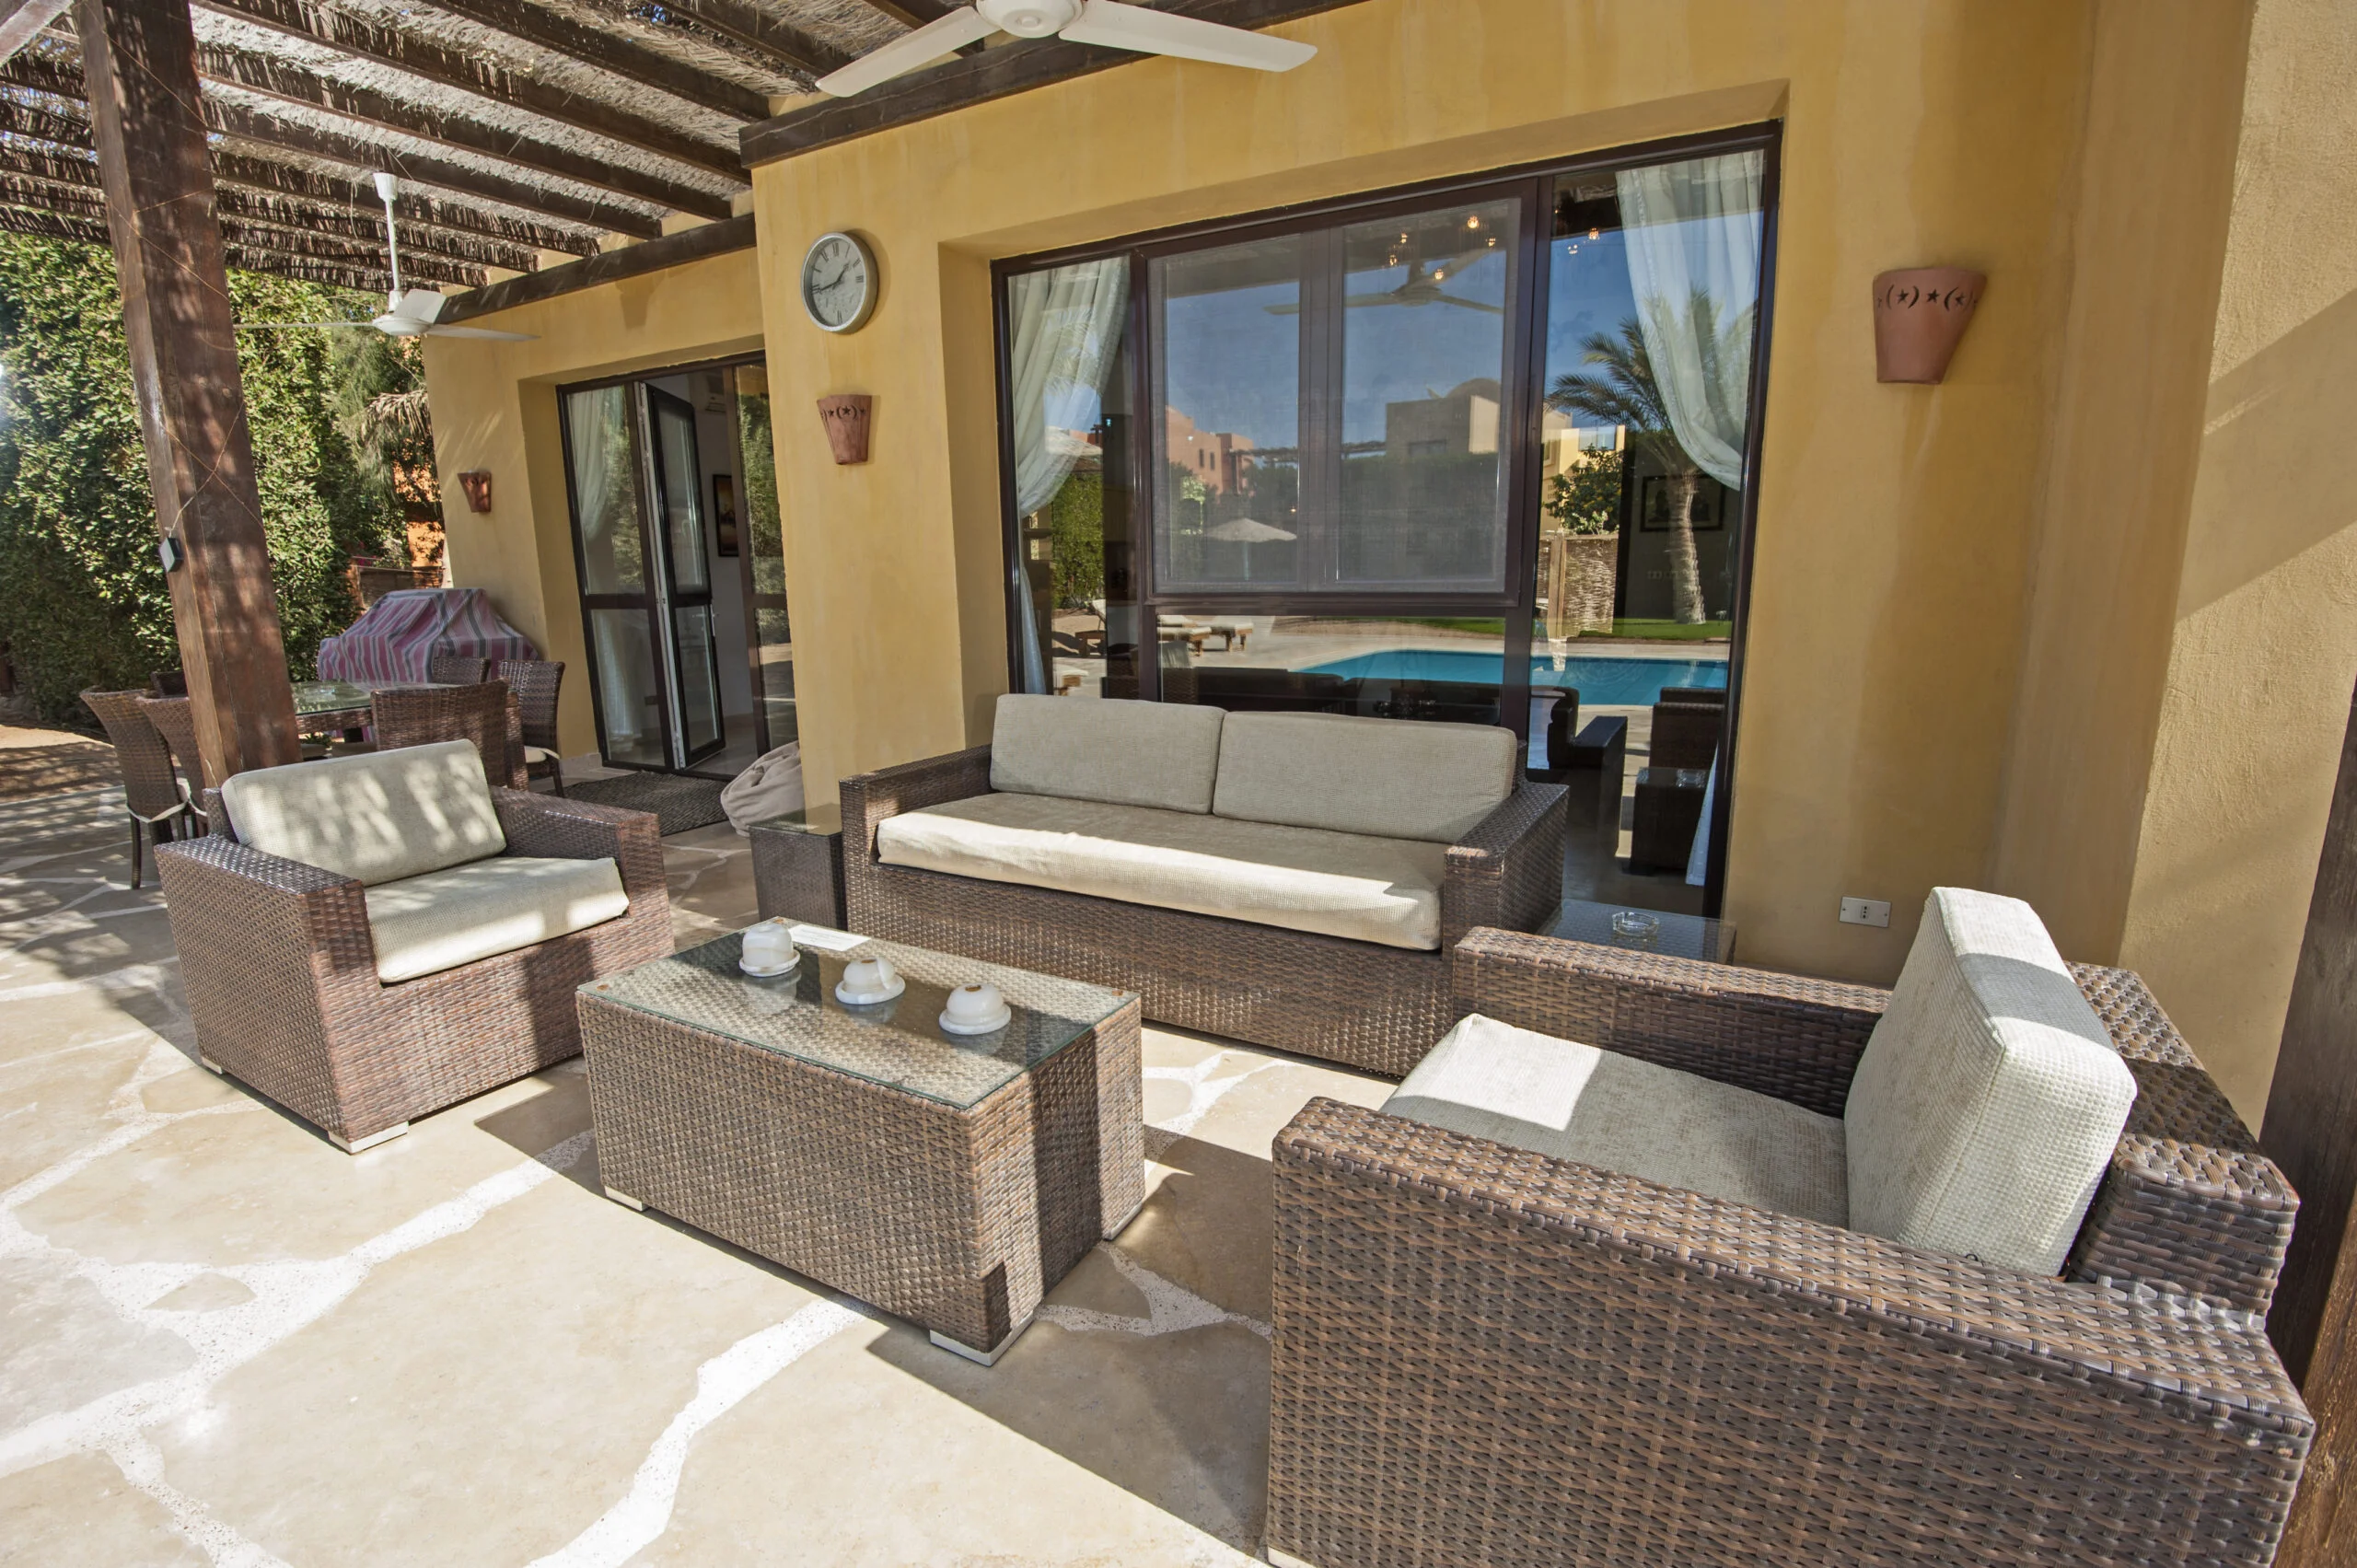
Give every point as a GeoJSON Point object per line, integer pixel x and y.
{"type": "Point", "coordinates": [1386, 778]}
{"type": "Point", "coordinates": [378, 817]}
{"type": "Point", "coordinates": [422, 926]}
{"type": "Point", "coordinates": [1990, 1097]}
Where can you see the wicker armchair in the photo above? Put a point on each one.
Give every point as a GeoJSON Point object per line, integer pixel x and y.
{"type": "Point", "coordinates": [281, 972]}
{"type": "Point", "coordinates": [536, 683]}
{"type": "Point", "coordinates": [151, 792]}
{"type": "Point", "coordinates": [1374, 1007]}
{"type": "Point", "coordinates": [1486, 1355]}
{"type": "Point", "coordinates": [486, 714]}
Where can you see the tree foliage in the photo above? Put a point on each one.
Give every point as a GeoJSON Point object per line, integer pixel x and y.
{"type": "Point", "coordinates": [83, 600]}
{"type": "Point", "coordinates": [1585, 497]}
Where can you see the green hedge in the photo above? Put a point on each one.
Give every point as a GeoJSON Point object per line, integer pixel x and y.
{"type": "Point", "coordinates": [82, 597]}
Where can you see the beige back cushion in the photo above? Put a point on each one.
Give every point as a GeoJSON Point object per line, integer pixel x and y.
{"type": "Point", "coordinates": [1158, 754]}
{"type": "Point", "coordinates": [1390, 778]}
{"type": "Point", "coordinates": [1990, 1097]}
{"type": "Point", "coordinates": [376, 818]}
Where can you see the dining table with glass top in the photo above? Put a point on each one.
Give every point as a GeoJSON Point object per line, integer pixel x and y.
{"type": "Point", "coordinates": [345, 707]}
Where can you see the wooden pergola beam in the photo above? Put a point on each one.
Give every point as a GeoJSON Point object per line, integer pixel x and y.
{"type": "Point", "coordinates": [249, 124]}
{"type": "Point", "coordinates": [447, 68]}
{"type": "Point", "coordinates": [139, 61]}
{"type": "Point", "coordinates": [624, 57]}
{"type": "Point", "coordinates": [450, 128]}
{"type": "Point", "coordinates": [414, 210]}
{"type": "Point", "coordinates": [756, 30]}
{"type": "Point", "coordinates": [22, 20]}
{"type": "Point", "coordinates": [983, 77]}
{"type": "Point", "coordinates": [632, 260]}
{"type": "Point", "coordinates": [911, 13]}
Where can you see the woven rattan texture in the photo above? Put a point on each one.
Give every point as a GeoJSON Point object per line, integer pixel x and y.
{"type": "Point", "coordinates": [175, 720]}
{"type": "Point", "coordinates": [2189, 1204]}
{"type": "Point", "coordinates": [457, 669]}
{"type": "Point", "coordinates": [281, 980]}
{"type": "Point", "coordinates": [487, 715]}
{"type": "Point", "coordinates": [1485, 1356]}
{"type": "Point", "coordinates": [1371, 1006]}
{"type": "Point", "coordinates": [149, 787]}
{"type": "Point", "coordinates": [799, 875]}
{"type": "Point", "coordinates": [959, 1220]}
{"type": "Point", "coordinates": [536, 683]}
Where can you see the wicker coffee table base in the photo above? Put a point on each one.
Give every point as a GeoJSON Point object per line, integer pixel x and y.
{"type": "Point", "coordinates": [958, 1220]}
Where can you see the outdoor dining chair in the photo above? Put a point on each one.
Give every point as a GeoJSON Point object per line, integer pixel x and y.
{"type": "Point", "coordinates": [453, 670]}
{"type": "Point", "coordinates": [151, 792]}
{"type": "Point", "coordinates": [486, 714]}
{"type": "Point", "coordinates": [175, 720]}
{"type": "Point", "coordinates": [535, 683]}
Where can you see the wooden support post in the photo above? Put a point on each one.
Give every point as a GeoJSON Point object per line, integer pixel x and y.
{"type": "Point", "coordinates": [2311, 1132]}
{"type": "Point", "coordinates": [139, 61]}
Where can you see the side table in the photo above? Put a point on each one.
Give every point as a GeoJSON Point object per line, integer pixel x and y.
{"type": "Point", "coordinates": [799, 867]}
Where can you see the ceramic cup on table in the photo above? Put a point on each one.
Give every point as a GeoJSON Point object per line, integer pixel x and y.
{"type": "Point", "coordinates": [769, 950]}
{"type": "Point", "coordinates": [870, 981]}
{"type": "Point", "coordinates": [976, 1009]}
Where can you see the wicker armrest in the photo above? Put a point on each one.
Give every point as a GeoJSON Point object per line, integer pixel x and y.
{"type": "Point", "coordinates": [868, 798]}
{"type": "Point", "coordinates": [1777, 1034]}
{"type": "Point", "coordinates": [1508, 872]}
{"type": "Point", "coordinates": [557, 828]}
{"type": "Point", "coordinates": [270, 909]}
{"type": "Point", "coordinates": [1556, 1313]}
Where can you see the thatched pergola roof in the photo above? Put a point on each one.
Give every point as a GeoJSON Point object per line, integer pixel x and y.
{"type": "Point", "coordinates": [524, 132]}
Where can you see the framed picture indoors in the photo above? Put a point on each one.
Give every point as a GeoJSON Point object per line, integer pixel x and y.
{"type": "Point", "coordinates": [1658, 493]}
{"type": "Point", "coordinates": [724, 512]}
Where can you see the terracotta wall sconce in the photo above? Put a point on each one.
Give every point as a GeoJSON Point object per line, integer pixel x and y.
{"type": "Point", "coordinates": [1920, 317]}
{"type": "Point", "coordinates": [476, 482]}
{"type": "Point", "coordinates": [845, 417]}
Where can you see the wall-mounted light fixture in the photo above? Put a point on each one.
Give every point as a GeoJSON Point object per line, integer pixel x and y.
{"type": "Point", "coordinates": [1920, 317]}
{"type": "Point", "coordinates": [476, 482]}
{"type": "Point", "coordinates": [845, 415]}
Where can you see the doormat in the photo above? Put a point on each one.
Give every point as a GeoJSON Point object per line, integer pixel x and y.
{"type": "Point", "coordinates": [678, 802]}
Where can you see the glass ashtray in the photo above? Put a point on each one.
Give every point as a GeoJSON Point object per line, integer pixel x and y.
{"type": "Point", "coordinates": [1635, 928]}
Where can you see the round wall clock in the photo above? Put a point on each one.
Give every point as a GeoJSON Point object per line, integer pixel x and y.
{"type": "Point", "coordinates": [838, 282]}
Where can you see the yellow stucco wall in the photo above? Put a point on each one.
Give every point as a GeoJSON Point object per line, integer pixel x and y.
{"type": "Point", "coordinates": [494, 407]}
{"type": "Point", "coordinates": [1896, 522]}
{"type": "Point", "coordinates": [2263, 647]}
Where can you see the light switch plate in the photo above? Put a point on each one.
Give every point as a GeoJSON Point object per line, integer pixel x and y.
{"type": "Point", "coordinates": [1866, 911]}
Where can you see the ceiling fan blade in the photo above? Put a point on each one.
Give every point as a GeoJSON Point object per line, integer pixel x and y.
{"type": "Point", "coordinates": [1467, 304]}
{"type": "Point", "coordinates": [273, 326]}
{"type": "Point", "coordinates": [420, 305]}
{"type": "Point", "coordinates": [485, 332]}
{"type": "Point", "coordinates": [1117, 26]}
{"type": "Point", "coordinates": [922, 46]}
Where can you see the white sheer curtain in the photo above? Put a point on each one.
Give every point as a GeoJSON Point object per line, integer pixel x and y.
{"type": "Point", "coordinates": [1693, 233]}
{"type": "Point", "coordinates": [598, 425]}
{"type": "Point", "coordinates": [1064, 327]}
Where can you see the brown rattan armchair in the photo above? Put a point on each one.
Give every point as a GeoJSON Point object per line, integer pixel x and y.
{"type": "Point", "coordinates": [486, 714]}
{"type": "Point", "coordinates": [1373, 1007]}
{"type": "Point", "coordinates": [151, 792]}
{"type": "Point", "coordinates": [1486, 1355]}
{"type": "Point", "coordinates": [281, 973]}
{"type": "Point", "coordinates": [536, 683]}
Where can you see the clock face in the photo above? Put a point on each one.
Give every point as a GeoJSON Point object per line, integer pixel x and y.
{"type": "Point", "coordinates": [838, 283]}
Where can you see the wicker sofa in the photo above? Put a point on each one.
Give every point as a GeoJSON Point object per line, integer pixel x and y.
{"type": "Point", "coordinates": [1487, 1355]}
{"type": "Point", "coordinates": [415, 940]}
{"type": "Point", "coordinates": [1404, 837]}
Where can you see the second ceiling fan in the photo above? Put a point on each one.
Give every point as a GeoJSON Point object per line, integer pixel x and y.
{"type": "Point", "coordinates": [1106, 22]}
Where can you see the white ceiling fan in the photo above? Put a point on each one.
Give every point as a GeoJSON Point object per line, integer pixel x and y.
{"type": "Point", "coordinates": [409, 313]}
{"type": "Point", "coordinates": [1106, 22]}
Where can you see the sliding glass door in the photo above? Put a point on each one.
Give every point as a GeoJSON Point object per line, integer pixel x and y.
{"type": "Point", "coordinates": [678, 541]}
{"type": "Point", "coordinates": [1477, 453]}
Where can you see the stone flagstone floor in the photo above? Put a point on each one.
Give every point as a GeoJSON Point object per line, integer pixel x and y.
{"type": "Point", "coordinates": [226, 1342]}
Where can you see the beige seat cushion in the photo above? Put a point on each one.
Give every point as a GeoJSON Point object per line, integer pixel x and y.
{"type": "Point", "coordinates": [537, 754]}
{"type": "Point", "coordinates": [1573, 1102]}
{"type": "Point", "coordinates": [1990, 1097]}
{"type": "Point", "coordinates": [425, 924]}
{"type": "Point", "coordinates": [1384, 890]}
{"type": "Point", "coordinates": [378, 816]}
{"type": "Point", "coordinates": [1158, 754]}
{"type": "Point", "coordinates": [1390, 778]}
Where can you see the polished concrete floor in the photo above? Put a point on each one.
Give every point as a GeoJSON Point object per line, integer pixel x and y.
{"type": "Point", "coordinates": [228, 1342]}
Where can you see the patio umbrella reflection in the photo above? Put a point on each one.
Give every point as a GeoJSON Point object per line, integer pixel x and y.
{"type": "Point", "coordinates": [1246, 531]}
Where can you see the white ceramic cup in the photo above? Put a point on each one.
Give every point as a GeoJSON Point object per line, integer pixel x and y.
{"type": "Point", "coordinates": [865, 977]}
{"type": "Point", "coordinates": [975, 1004]}
{"type": "Point", "coordinates": [768, 946]}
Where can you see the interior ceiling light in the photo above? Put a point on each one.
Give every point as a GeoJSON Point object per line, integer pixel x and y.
{"type": "Point", "coordinates": [1105, 22]}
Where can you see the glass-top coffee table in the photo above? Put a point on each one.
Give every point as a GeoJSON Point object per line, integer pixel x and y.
{"type": "Point", "coordinates": [1677, 936]}
{"type": "Point", "coordinates": [950, 1179]}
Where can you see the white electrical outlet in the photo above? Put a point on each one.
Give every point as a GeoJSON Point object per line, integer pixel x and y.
{"type": "Point", "coordinates": [1866, 911]}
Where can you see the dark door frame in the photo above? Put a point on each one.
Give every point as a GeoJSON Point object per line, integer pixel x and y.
{"type": "Point", "coordinates": [673, 598]}
{"type": "Point", "coordinates": [1527, 347]}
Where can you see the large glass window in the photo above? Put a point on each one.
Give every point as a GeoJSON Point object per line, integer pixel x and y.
{"type": "Point", "coordinates": [1478, 455]}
